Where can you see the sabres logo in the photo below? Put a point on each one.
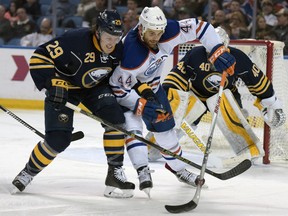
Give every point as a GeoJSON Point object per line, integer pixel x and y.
{"type": "Point", "coordinates": [93, 77]}
{"type": "Point", "coordinates": [212, 82]}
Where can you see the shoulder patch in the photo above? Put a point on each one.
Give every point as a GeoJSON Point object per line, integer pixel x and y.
{"type": "Point", "coordinates": [171, 31]}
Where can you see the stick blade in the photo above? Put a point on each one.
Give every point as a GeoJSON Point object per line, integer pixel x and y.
{"type": "Point", "coordinates": [181, 208]}
{"type": "Point", "coordinates": [77, 136]}
{"type": "Point", "coordinates": [239, 169]}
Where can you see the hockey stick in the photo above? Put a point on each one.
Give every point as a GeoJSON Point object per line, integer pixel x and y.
{"type": "Point", "coordinates": [240, 168]}
{"type": "Point", "coordinates": [194, 202]}
{"type": "Point", "coordinates": [199, 143]}
{"type": "Point", "coordinates": [75, 136]}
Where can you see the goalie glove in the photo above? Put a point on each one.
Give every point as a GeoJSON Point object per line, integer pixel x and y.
{"type": "Point", "coordinates": [57, 93]}
{"type": "Point", "coordinates": [271, 110]}
{"type": "Point", "coordinates": [222, 59]}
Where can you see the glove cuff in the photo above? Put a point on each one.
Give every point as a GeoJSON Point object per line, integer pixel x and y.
{"type": "Point", "coordinates": [140, 106]}
{"type": "Point", "coordinates": [216, 52]}
{"type": "Point", "coordinates": [57, 82]}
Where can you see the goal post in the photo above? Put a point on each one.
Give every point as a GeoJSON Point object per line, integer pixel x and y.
{"type": "Point", "coordinates": [268, 56]}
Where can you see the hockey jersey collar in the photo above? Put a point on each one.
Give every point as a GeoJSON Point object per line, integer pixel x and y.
{"type": "Point", "coordinates": [96, 43]}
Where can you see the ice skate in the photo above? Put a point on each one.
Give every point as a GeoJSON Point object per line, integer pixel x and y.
{"type": "Point", "coordinates": [186, 176]}
{"type": "Point", "coordinates": [145, 180]}
{"type": "Point", "coordinates": [22, 180]}
{"type": "Point", "coordinates": [117, 185]}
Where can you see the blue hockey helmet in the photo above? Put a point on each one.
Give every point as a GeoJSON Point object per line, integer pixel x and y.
{"type": "Point", "coordinates": [110, 22]}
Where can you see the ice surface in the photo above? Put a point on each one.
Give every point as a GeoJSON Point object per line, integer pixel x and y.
{"type": "Point", "coordinates": [73, 184]}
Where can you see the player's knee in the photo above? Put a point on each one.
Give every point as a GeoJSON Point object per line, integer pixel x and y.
{"type": "Point", "coordinates": [58, 140]}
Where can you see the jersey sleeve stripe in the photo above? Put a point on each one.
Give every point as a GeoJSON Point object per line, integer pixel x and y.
{"type": "Point", "coordinates": [203, 31]}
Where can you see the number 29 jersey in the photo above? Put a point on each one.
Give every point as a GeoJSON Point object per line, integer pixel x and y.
{"type": "Point", "coordinates": [75, 56]}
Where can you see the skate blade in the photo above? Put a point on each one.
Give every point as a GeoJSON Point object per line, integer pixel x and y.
{"type": "Point", "coordinates": [147, 191]}
{"type": "Point", "coordinates": [14, 190]}
{"type": "Point", "coordinates": [113, 192]}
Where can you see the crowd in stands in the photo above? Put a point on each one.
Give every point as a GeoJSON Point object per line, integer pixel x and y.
{"type": "Point", "coordinates": [20, 18]}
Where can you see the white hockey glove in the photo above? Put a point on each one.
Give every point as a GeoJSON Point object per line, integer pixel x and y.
{"type": "Point", "coordinates": [272, 111]}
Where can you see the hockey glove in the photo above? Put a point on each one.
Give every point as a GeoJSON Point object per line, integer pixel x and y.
{"type": "Point", "coordinates": [149, 110]}
{"type": "Point", "coordinates": [222, 59]}
{"type": "Point", "coordinates": [57, 92]}
{"type": "Point", "coordinates": [272, 112]}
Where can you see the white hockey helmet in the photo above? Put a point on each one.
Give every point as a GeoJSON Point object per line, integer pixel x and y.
{"type": "Point", "coordinates": [152, 18]}
{"type": "Point", "coordinates": [224, 37]}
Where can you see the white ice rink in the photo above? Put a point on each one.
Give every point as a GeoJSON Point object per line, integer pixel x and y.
{"type": "Point", "coordinates": [74, 183]}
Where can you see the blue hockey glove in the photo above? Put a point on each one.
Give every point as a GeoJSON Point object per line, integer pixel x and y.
{"type": "Point", "coordinates": [150, 110]}
{"type": "Point", "coordinates": [57, 93]}
{"type": "Point", "coordinates": [222, 59]}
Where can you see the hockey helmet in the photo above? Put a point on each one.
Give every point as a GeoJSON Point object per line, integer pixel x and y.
{"type": "Point", "coordinates": [110, 22]}
{"type": "Point", "coordinates": [224, 37]}
{"type": "Point", "coordinates": [152, 18]}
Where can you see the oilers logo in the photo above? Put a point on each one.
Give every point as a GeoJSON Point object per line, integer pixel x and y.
{"type": "Point", "coordinates": [93, 77]}
{"type": "Point", "coordinates": [212, 82]}
{"type": "Point", "coordinates": [154, 65]}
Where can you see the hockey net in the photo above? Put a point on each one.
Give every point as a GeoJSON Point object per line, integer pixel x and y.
{"type": "Point", "coordinates": [268, 56]}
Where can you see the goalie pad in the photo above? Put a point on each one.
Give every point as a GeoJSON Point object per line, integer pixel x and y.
{"type": "Point", "coordinates": [234, 126]}
{"type": "Point", "coordinates": [185, 105]}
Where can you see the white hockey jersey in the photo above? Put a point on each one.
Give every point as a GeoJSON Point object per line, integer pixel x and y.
{"type": "Point", "coordinates": [142, 64]}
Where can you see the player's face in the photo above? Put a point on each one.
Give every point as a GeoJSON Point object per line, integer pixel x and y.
{"type": "Point", "coordinates": [152, 37]}
{"type": "Point", "coordinates": [108, 42]}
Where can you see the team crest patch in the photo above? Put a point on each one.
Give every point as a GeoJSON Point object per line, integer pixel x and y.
{"type": "Point", "coordinates": [212, 82]}
{"type": "Point", "coordinates": [63, 118]}
{"type": "Point", "coordinates": [92, 77]}
{"type": "Point", "coordinates": [154, 65]}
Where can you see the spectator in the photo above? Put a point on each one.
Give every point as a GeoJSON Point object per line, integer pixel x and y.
{"type": "Point", "coordinates": [130, 20]}
{"type": "Point", "coordinates": [238, 25]}
{"type": "Point", "coordinates": [168, 3]}
{"type": "Point", "coordinates": [247, 7]}
{"type": "Point", "coordinates": [92, 13]}
{"type": "Point", "coordinates": [37, 38]}
{"type": "Point", "coordinates": [219, 18]}
{"type": "Point", "coordinates": [134, 6]}
{"type": "Point", "coordinates": [281, 29]}
{"type": "Point", "coordinates": [214, 7]}
{"type": "Point", "coordinates": [184, 13]}
{"type": "Point", "coordinates": [262, 28]}
{"type": "Point", "coordinates": [33, 9]}
{"type": "Point", "coordinates": [83, 6]}
{"type": "Point", "coordinates": [267, 10]}
{"type": "Point", "coordinates": [197, 7]}
{"type": "Point", "coordinates": [11, 13]}
{"type": "Point", "coordinates": [24, 25]}
{"type": "Point", "coordinates": [64, 8]}
{"type": "Point", "coordinates": [119, 2]}
{"type": "Point", "coordinates": [232, 7]}
{"type": "Point", "coordinates": [5, 27]}
{"type": "Point", "coordinates": [158, 3]}
{"type": "Point", "coordinates": [270, 35]}
{"type": "Point", "coordinates": [173, 14]}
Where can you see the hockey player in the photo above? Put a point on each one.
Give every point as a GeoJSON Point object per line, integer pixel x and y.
{"type": "Point", "coordinates": [194, 72]}
{"type": "Point", "coordinates": [75, 67]}
{"type": "Point", "coordinates": [136, 84]}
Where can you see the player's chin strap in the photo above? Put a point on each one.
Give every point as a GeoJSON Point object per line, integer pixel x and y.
{"type": "Point", "coordinates": [75, 136]}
